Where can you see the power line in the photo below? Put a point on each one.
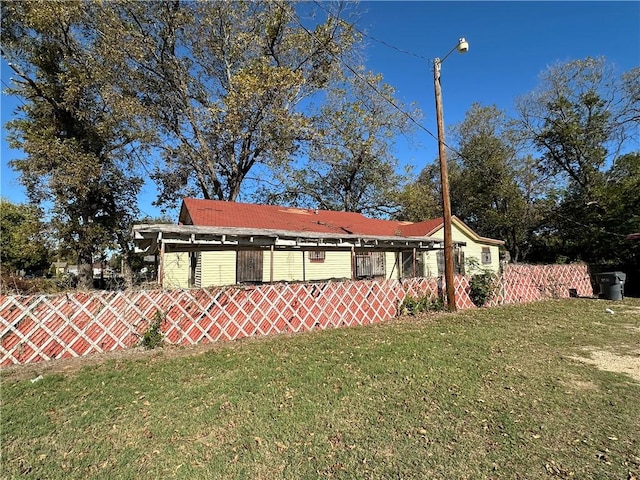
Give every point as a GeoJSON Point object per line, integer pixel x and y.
{"type": "Point", "coordinates": [382, 42]}
{"type": "Point", "coordinates": [16, 96]}
{"type": "Point", "coordinates": [374, 88]}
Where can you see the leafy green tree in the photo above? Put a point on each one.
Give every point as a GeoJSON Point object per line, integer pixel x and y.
{"type": "Point", "coordinates": [23, 238]}
{"type": "Point", "coordinates": [619, 207]}
{"type": "Point", "coordinates": [222, 84]}
{"type": "Point", "coordinates": [351, 165]}
{"type": "Point", "coordinates": [420, 200]}
{"type": "Point", "coordinates": [492, 189]}
{"type": "Point", "coordinates": [78, 163]}
{"type": "Point", "coordinates": [579, 119]}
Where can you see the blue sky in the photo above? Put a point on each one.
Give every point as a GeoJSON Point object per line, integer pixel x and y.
{"type": "Point", "coordinates": [511, 43]}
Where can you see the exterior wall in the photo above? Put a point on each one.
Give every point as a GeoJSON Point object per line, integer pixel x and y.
{"type": "Point", "coordinates": [175, 270]}
{"type": "Point", "coordinates": [337, 264]}
{"type": "Point", "coordinates": [218, 268]}
{"type": "Point", "coordinates": [393, 265]}
{"type": "Point", "coordinates": [471, 250]}
{"type": "Point", "coordinates": [287, 266]}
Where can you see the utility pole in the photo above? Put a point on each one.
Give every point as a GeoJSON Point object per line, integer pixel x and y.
{"type": "Point", "coordinates": [446, 201]}
{"type": "Point", "coordinates": [462, 47]}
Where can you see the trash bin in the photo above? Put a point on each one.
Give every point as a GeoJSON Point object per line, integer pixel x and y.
{"type": "Point", "coordinates": [611, 285]}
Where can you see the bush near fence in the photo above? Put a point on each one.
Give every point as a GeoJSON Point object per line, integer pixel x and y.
{"type": "Point", "coordinates": [45, 327]}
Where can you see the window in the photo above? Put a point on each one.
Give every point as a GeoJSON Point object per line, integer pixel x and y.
{"type": "Point", "coordinates": [317, 256]}
{"type": "Point", "coordinates": [458, 261]}
{"type": "Point", "coordinates": [370, 264]}
{"type": "Point", "coordinates": [411, 268]}
{"type": "Point", "coordinates": [195, 270]}
{"type": "Point", "coordinates": [486, 255]}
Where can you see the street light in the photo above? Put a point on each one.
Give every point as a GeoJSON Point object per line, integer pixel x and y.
{"type": "Point", "coordinates": [462, 47]}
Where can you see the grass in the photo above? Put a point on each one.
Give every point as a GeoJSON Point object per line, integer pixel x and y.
{"type": "Point", "coordinates": [489, 393]}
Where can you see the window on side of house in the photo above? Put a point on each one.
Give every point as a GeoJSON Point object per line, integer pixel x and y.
{"type": "Point", "coordinates": [195, 270]}
{"type": "Point", "coordinates": [412, 266]}
{"type": "Point", "coordinates": [486, 255]}
{"type": "Point", "coordinates": [317, 256]}
{"type": "Point", "coordinates": [458, 261]}
{"type": "Point", "coordinates": [370, 264]}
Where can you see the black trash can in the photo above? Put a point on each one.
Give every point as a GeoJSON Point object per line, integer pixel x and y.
{"type": "Point", "coordinates": [611, 285]}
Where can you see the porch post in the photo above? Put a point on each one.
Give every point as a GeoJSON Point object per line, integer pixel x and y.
{"type": "Point", "coordinates": [271, 249]}
{"type": "Point", "coordinates": [161, 266]}
{"type": "Point", "coordinates": [353, 262]}
{"type": "Point", "coordinates": [414, 262]}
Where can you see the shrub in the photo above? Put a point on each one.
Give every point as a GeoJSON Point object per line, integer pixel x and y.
{"type": "Point", "coordinates": [482, 287]}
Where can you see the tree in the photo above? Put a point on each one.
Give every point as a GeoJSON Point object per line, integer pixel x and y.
{"type": "Point", "coordinates": [579, 119]}
{"type": "Point", "coordinates": [23, 238]}
{"type": "Point", "coordinates": [228, 105]}
{"type": "Point", "coordinates": [78, 160]}
{"type": "Point", "coordinates": [421, 200]}
{"type": "Point", "coordinates": [492, 189]}
{"type": "Point", "coordinates": [618, 207]}
{"type": "Point", "coordinates": [351, 166]}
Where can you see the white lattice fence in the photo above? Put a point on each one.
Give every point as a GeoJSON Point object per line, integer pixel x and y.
{"type": "Point", "coordinates": [36, 328]}
{"type": "Point", "coordinates": [44, 327]}
{"type": "Point", "coordinates": [529, 283]}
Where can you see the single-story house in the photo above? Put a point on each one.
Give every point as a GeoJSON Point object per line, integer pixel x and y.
{"type": "Point", "coordinates": [225, 243]}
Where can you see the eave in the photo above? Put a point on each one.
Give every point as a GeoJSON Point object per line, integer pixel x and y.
{"type": "Point", "coordinates": [186, 238]}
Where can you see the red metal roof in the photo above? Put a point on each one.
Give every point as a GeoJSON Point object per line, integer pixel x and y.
{"type": "Point", "coordinates": [216, 213]}
{"type": "Point", "coordinates": [246, 215]}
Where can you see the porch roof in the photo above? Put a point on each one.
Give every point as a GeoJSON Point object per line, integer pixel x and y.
{"type": "Point", "coordinates": [185, 238]}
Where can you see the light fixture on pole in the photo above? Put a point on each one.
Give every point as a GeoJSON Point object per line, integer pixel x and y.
{"type": "Point", "coordinates": [462, 47]}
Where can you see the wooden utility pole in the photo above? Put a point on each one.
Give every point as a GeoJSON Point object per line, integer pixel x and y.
{"type": "Point", "coordinates": [446, 201]}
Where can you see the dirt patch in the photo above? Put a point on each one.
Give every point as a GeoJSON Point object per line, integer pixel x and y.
{"type": "Point", "coordinates": [610, 362]}
{"type": "Point", "coordinates": [578, 384]}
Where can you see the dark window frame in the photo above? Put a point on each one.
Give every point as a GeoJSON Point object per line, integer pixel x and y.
{"type": "Point", "coordinates": [317, 256]}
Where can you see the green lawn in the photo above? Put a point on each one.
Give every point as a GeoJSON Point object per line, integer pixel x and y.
{"type": "Point", "coordinates": [490, 393]}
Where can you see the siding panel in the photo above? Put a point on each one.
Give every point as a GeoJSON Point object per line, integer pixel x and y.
{"type": "Point", "coordinates": [218, 268]}
{"type": "Point", "coordinates": [176, 270]}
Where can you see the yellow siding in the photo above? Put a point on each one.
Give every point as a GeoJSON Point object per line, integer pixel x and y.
{"type": "Point", "coordinates": [287, 266]}
{"type": "Point", "coordinates": [175, 270]}
{"type": "Point", "coordinates": [218, 268]}
{"type": "Point", "coordinates": [392, 265]}
{"type": "Point", "coordinates": [337, 264]}
{"type": "Point", "coordinates": [472, 249]}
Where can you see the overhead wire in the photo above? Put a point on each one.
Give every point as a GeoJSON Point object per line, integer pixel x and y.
{"type": "Point", "coordinates": [356, 74]}
{"type": "Point", "coordinates": [367, 35]}
{"type": "Point", "coordinates": [406, 114]}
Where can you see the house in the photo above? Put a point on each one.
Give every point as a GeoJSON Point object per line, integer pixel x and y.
{"type": "Point", "coordinates": [224, 243]}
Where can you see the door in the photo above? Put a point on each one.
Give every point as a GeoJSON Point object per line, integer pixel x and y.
{"type": "Point", "coordinates": [249, 266]}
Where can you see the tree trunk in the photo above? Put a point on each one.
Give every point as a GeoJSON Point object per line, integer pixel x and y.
{"type": "Point", "coordinates": [85, 271]}
{"type": "Point", "coordinates": [127, 255]}
{"type": "Point", "coordinates": [127, 270]}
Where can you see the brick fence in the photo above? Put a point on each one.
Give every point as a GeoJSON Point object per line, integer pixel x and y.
{"type": "Point", "coordinates": [45, 327]}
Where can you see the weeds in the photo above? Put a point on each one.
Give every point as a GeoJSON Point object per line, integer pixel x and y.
{"type": "Point", "coordinates": [426, 303]}
{"type": "Point", "coordinates": [153, 337]}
